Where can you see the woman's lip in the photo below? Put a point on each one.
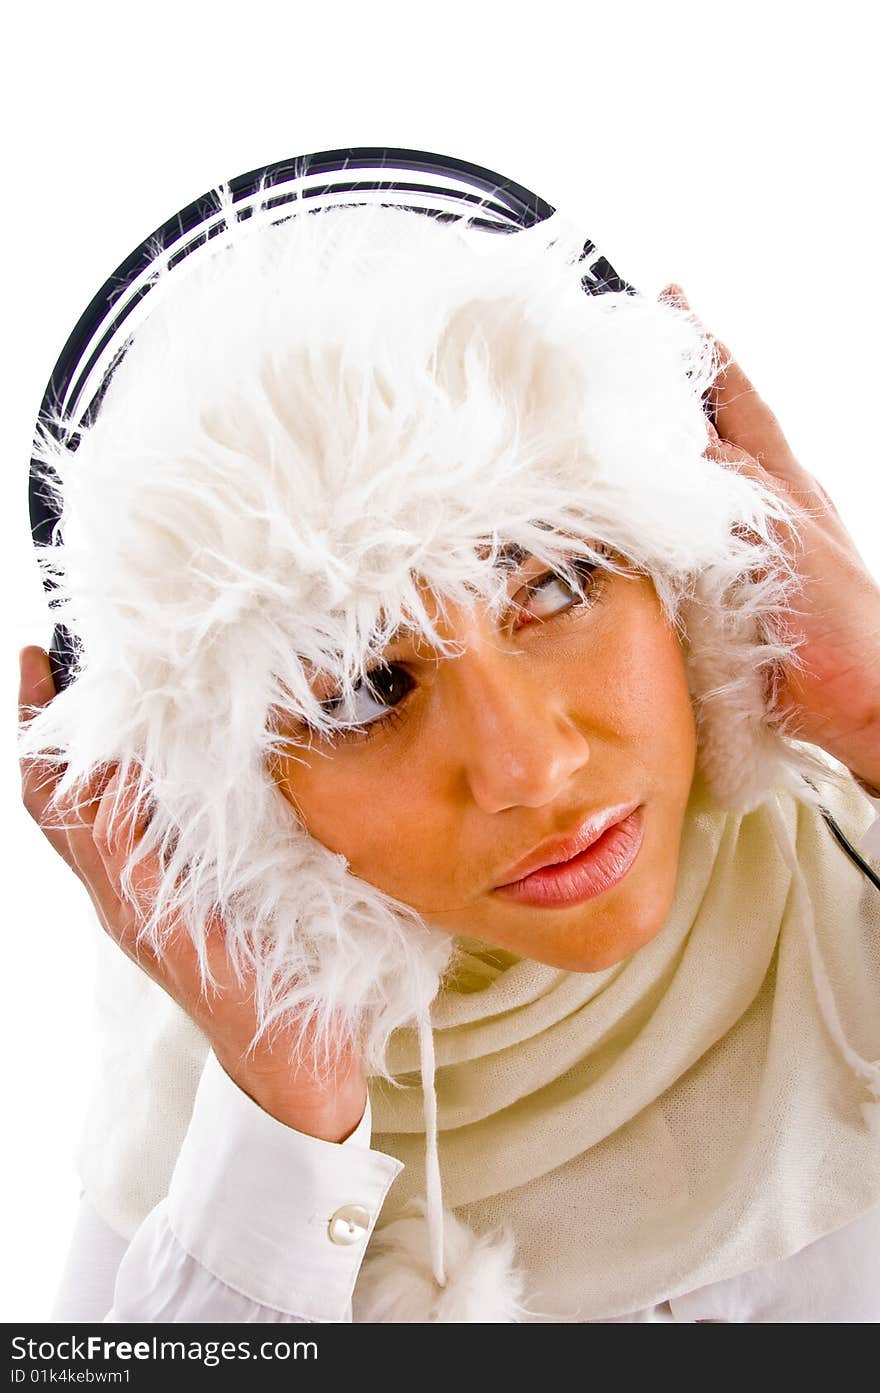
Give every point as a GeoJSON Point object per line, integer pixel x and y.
{"type": "Point", "coordinates": [604, 863]}
{"type": "Point", "coordinates": [557, 850]}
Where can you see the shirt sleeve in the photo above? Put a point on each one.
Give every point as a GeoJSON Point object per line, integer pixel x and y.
{"type": "Point", "coordinates": [261, 1222]}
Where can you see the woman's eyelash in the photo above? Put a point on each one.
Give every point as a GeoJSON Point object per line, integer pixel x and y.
{"type": "Point", "coordinates": [394, 712]}
{"type": "Point", "coordinates": [590, 580]}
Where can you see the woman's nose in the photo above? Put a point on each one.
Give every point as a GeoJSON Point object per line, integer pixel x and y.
{"type": "Point", "coordinates": [510, 731]}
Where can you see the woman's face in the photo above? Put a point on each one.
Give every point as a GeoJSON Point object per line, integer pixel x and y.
{"type": "Point", "coordinates": [465, 765]}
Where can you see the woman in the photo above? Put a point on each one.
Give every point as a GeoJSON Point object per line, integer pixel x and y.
{"type": "Point", "coordinates": [425, 574]}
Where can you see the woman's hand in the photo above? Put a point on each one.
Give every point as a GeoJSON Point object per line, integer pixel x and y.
{"type": "Point", "coordinates": [96, 844]}
{"type": "Point", "coordinates": [834, 700]}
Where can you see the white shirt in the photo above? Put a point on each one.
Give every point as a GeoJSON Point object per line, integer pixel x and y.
{"type": "Point", "coordinates": [263, 1223]}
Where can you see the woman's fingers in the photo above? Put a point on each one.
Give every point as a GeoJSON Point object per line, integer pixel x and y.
{"type": "Point", "coordinates": [66, 822]}
{"type": "Point", "coordinates": [40, 777]}
{"type": "Point", "coordinates": [745, 421]}
{"type": "Point", "coordinates": [37, 684]}
{"type": "Point", "coordinates": [99, 827]}
{"type": "Point", "coordinates": [35, 690]}
{"type": "Point", "coordinates": [96, 826]}
{"type": "Point", "coordinates": [136, 876]}
{"type": "Point", "coordinates": [121, 819]}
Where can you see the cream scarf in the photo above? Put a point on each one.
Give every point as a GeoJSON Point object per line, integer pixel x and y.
{"type": "Point", "coordinates": [708, 1105]}
{"type": "Point", "coordinates": [682, 1116]}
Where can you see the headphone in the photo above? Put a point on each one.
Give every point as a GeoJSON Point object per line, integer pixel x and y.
{"type": "Point", "coordinates": [440, 186]}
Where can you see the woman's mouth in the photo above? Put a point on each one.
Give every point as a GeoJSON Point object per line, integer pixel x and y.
{"type": "Point", "coordinates": [604, 863]}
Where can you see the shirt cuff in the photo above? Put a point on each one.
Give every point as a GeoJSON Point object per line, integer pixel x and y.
{"type": "Point", "coordinates": [281, 1216]}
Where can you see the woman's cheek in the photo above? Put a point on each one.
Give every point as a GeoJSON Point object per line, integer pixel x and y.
{"type": "Point", "coordinates": [377, 830]}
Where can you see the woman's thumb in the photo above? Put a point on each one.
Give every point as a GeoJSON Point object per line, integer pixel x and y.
{"type": "Point", "coordinates": [36, 686]}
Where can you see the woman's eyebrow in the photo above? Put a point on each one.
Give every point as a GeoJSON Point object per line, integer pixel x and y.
{"type": "Point", "coordinates": [511, 552]}
{"type": "Point", "coordinates": [510, 555]}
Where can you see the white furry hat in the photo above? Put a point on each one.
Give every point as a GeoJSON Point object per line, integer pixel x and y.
{"type": "Point", "coordinates": [322, 414]}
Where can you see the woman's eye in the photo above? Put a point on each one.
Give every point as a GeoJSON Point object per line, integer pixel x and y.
{"type": "Point", "coordinates": [374, 699]}
{"type": "Point", "coordinates": [550, 594]}
{"type": "Point", "coordinates": [379, 697]}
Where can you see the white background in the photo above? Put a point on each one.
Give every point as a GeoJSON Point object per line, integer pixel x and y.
{"type": "Point", "coordinates": [730, 148]}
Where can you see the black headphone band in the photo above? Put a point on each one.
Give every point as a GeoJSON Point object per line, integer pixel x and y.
{"type": "Point", "coordinates": [440, 186]}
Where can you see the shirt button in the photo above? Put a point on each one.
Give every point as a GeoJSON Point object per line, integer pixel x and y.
{"type": "Point", "coordinates": [349, 1224]}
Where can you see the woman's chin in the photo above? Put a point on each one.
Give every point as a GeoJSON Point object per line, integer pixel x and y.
{"type": "Point", "coordinates": [595, 958]}
{"type": "Point", "coordinates": [599, 945]}
{"type": "Point", "coordinates": [583, 938]}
